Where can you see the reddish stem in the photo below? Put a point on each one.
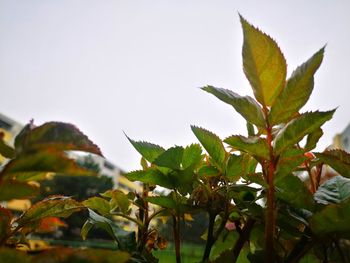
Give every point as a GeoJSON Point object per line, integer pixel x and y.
{"type": "Point", "coordinates": [270, 214]}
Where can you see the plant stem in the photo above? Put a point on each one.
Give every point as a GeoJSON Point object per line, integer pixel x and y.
{"type": "Point", "coordinates": [341, 254]}
{"type": "Point", "coordinates": [270, 214]}
{"type": "Point", "coordinates": [137, 222]}
{"type": "Point", "coordinates": [210, 237]}
{"type": "Point", "coordinates": [300, 249]}
{"type": "Point", "coordinates": [243, 237]}
{"type": "Point", "coordinates": [176, 231]}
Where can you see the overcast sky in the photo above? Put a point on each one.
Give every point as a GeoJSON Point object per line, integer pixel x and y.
{"type": "Point", "coordinates": [136, 66]}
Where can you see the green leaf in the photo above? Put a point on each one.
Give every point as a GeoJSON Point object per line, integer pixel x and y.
{"type": "Point", "coordinates": [163, 201]}
{"type": "Point", "coordinates": [79, 255]}
{"type": "Point", "coordinates": [310, 258]}
{"type": "Point", "coordinates": [297, 91]}
{"type": "Point", "coordinates": [250, 129]}
{"type": "Point", "coordinates": [297, 128]}
{"type": "Point", "coordinates": [54, 135]}
{"type": "Point", "coordinates": [312, 139]}
{"type": "Point", "coordinates": [263, 63]}
{"type": "Point", "coordinates": [5, 223]}
{"type": "Point", "coordinates": [12, 189]}
{"type": "Point", "coordinates": [38, 164]}
{"type": "Point", "coordinates": [149, 151]}
{"type": "Point", "coordinates": [11, 255]}
{"type": "Point", "coordinates": [192, 156]}
{"type": "Point", "coordinates": [171, 158]}
{"type": "Point", "coordinates": [150, 176]}
{"type": "Point", "coordinates": [125, 240]}
{"type": "Point", "coordinates": [98, 204]}
{"type": "Point", "coordinates": [335, 190]}
{"type": "Point", "coordinates": [244, 105]}
{"type": "Point", "coordinates": [208, 171]}
{"type": "Point", "coordinates": [334, 218]}
{"type": "Point", "coordinates": [6, 150]}
{"type": "Point", "coordinates": [238, 166]}
{"type": "Point", "coordinates": [183, 180]}
{"type": "Point", "coordinates": [252, 145]}
{"type": "Point", "coordinates": [56, 206]}
{"type": "Point", "coordinates": [211, 143]}
{"type": "Point", "coordinates": [120, 200]}
{"type": "Point", "coordinates": [224, 243]}
{"type": "Point", "coordinates": [293, 191]}
{"type": "Point", "coordinates": [338, 159]}
{"type": "Point", "coordinates": [288, 161]}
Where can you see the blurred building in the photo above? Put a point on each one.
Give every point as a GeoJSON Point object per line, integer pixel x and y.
{"type": "Point", "coordinates": [342, 140]}
{"type": "Point", "coordinates": [111, 170]}
{"type": "Point", "coordinates": [10, 128]}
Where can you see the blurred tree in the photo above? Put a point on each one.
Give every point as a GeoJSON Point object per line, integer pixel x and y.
{"type": "Point", "coordinates": [80, 188]}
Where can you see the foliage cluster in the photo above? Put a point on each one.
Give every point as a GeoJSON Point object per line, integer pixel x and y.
{"type": "Point", "coordinates": [262, 192]}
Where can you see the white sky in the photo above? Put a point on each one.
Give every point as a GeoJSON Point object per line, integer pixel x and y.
{"type": "Point", "coordinates": [135, 66]}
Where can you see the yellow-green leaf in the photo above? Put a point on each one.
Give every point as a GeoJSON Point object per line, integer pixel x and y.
{"type": "Point", "coordinates": [56, 206]}
{"type": "Point", "coordinates": [6, 150]}
{"type": "Point", "coordinates": [12, 189]}
{"type": "Point", "coordinates": [98, 204]}
{"type": "Point", "coordinates": [56, 136]}
{"type": "Point", "coordinates": [119, 201]}
{"type": "Point", "coordinates": [263, 64]}
{"type": "Point", "coordinates": [38, 164]}
{"type": "Point", "coordinates": [297, 91]}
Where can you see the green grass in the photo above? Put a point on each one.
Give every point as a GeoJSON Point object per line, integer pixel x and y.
{"type": "Point", "coordinates": [190, 253]}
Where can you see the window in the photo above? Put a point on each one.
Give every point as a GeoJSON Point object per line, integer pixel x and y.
{"type": "Point", "coordinates": [109, 165]}
{"type": "Point", "coordinates": [5, 125]}
{"type": "Point", "coordinates": [346, 143]}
